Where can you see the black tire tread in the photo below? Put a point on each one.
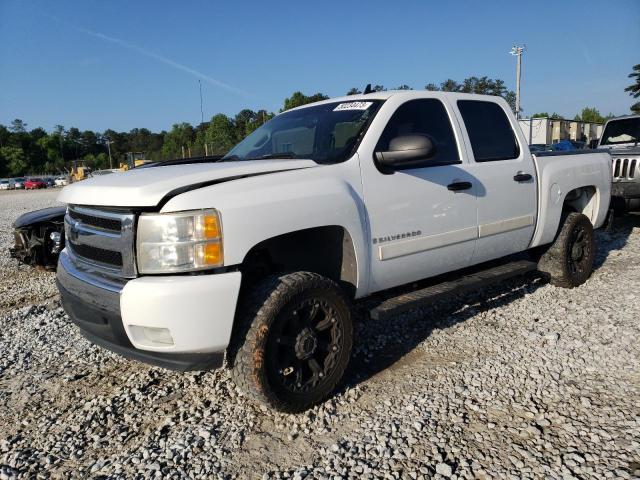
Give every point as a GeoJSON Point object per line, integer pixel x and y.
{"type": "Point", "coordinates": [553, 260]}
{"type": "Point", "coordinates": [255, 315]}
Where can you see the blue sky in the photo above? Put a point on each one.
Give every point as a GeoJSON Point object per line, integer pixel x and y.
{"type": "Point", "coordinates": [123, 64]}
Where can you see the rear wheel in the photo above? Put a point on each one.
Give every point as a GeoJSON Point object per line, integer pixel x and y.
{"type": "Point", "coordinates": [568, 261]}
{"type": "Point", "coordinates": [295, 341]}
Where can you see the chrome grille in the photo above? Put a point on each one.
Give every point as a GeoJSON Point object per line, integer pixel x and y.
{"type": "Point", "coordinates": [111, 224]}
{"type": "Point", "coordinates": [625, 168]}
{"type": "Point", "coordinates": [102, 240]}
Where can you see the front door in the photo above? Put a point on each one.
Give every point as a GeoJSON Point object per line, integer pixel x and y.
{"type": "Point", "coordinates": [422, 220]}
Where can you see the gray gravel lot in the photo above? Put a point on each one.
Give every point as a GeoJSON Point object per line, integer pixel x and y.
{"type": "Point", "coordinates": [522, 380]}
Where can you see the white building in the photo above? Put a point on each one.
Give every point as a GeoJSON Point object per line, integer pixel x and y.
{"type": "Point", "coordinates": [547, 130]}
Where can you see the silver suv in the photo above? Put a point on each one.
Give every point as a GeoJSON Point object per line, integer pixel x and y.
{"type": "Point", "coordinates": [621, 136]}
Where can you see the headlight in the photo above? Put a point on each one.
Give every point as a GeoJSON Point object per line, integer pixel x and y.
{"type": "Point", "coordinates": [179, 242]}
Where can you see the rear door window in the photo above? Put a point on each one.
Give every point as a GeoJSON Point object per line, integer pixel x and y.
{"type": "Point", "coordinates": [489, 130]}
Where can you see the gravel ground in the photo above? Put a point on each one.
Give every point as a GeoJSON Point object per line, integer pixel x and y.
{"type": "Point", "coordinates": [523, 380]}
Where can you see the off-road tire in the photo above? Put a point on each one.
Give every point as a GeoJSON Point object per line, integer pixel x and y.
{"type": "Point", "coordinates": [568, 261]}
{"type": "Point", "coordinates": [261, 315]}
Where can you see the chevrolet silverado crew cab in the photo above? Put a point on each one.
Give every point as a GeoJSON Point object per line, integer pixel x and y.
{"type": "Point", "coordinates": [621, 135]}
{"type": "Point", "coordinates": [253, 260]}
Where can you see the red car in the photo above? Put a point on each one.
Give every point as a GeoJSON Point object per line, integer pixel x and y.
{"type": "Point", "coordinates": [33, 183]}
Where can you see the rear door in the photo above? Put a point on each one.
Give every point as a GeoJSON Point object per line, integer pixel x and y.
{"type": "Point", "coordinates": [420, 225]}
{"type": "Point", "coordinates": [507, 192]}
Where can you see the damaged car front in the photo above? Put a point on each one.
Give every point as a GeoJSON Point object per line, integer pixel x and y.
{"type": "Point", "coordinates": [39, 237]}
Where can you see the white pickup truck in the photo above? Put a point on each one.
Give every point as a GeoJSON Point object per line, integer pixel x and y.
{"type": "Point", "coordinates": [257, 256]}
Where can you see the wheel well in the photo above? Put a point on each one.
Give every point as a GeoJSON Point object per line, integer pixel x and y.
{"type": "Point", "coordinates": [582, 200]}
{"type": "Point", "coordinates": [327, 251]}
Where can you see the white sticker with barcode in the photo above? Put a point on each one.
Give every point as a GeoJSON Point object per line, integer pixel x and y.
{"type": "Point", "coordinates": [353, 106]}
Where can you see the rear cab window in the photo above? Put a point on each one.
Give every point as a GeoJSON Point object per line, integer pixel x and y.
{"type": "Point", "coordinates": [490, 132]}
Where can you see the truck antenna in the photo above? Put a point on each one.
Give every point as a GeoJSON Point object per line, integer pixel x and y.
{"type": "Point", "coordinates": [367, 89]}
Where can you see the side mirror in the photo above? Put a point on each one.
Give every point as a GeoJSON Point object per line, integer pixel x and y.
{"type": "Point", "coordinates": [408, 151]}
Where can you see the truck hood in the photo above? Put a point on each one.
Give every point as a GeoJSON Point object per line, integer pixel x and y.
{"type": "Point", "coordinates": [147, 187]}
{"type": "Point", "coordinates": [625, 149]}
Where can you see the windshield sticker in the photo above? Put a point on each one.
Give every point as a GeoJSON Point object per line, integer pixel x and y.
{"type": "Point", "coordinates": [353, 106]}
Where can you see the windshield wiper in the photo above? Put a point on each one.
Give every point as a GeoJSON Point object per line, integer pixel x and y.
{"type": "Point", "coordinates": [273, 155]}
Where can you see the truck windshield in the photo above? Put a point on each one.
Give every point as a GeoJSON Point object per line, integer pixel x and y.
{"type": "Point", "coordinates": [327, 133]}
{"type": "Point", "coordinates": [625, 130]}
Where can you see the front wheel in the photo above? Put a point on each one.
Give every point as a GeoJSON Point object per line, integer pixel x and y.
{"type": "Point", "coordinates": [568, 261]}
{"type": "Point", "coordinates": [294, 343]}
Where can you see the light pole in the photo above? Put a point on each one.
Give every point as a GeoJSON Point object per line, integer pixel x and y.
{"type": "Point", "coordinates": [517, 51]}
{"type": "Point", "coordinates": [109, 142]}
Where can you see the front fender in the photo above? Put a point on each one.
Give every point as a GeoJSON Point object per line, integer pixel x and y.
{"type": "Point", "coordinates": [259, 208]}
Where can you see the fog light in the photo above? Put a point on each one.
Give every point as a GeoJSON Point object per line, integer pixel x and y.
{"type": "Point", "coordinates": [152, 336]}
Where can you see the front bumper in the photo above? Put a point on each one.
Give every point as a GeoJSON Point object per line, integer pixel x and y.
{"type": "Point", "coordinates": [195, 312]}
{"type": "Point", "coordinates": [627, 190]}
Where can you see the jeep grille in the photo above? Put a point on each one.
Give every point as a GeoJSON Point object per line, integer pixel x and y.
{"type": "Point", "coordinates": [624, 168]}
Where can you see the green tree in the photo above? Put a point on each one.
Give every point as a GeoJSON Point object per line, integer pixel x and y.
{"type": "Point", "coordinates": [14, 160]}
{"type": "Point", "coordinates": [180, 136]}
{"type": "Point", "coordinates": [404, 87]}
{"type": "Point", "coordinates": [262, 117]}
{"type": "Point", "coordinates": [450, 85]}
{"type": "Point", "coordinates": [221, 135]}
{"type": "Point", "coordinates": [4, 136]}
{"type": "Point", "coordinates": [354, 91]}
{"type": "Point", "coordinates": [298, 99]}
{"type": "Point", "coordinates": [18, 126]}
{"type": "Point", "coordinates": [553, 116]}
{"type": "Point", "coordinates": [480, 85]}
{"type": "Point", "coordinates": [244, 121]}
{"type": "Point", "coordinates": [634, 88]}
{"type": "Point", "coordinates": [591, 115]}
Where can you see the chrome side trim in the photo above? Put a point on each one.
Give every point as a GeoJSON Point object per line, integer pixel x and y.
{"type": "Point", "coordinates": [422, 244]}
{"type": "Point", "coordinates": [431, 242]}
{"type": "Point", "coordinates": [503, 226]}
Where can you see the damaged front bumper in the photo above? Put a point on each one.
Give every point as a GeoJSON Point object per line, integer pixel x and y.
{"type": "Point", "coordinates": [39, 237]}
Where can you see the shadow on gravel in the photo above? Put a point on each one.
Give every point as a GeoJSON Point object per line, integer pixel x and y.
{"type": "Point", "coordinates": [379, 344]}
{"type": "Point", "coordinates": [616, 238]}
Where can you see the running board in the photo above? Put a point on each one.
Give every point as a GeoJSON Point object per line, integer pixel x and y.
{"type": "Point", "coordinates": [443, 290]}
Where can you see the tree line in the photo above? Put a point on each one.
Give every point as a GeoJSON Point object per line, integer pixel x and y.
{"type": "Point", "coordinates": [587, 114]}
{"type": "Point", "coordinates": [36, 151]}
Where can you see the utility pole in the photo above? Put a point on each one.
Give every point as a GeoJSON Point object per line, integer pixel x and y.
{"type": "Point", "coordinates": [201, 110]}
{"type": "Point", "coordinates": [517, 51]}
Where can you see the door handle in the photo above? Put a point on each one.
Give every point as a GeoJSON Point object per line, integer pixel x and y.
{"type": "Point", "coordinates": [457, 186]}
{"type": "Point", "coordinates": [522, 177]}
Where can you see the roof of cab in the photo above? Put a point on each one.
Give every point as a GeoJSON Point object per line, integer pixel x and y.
{"type": "Point", "coordinates": [386, 94]}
